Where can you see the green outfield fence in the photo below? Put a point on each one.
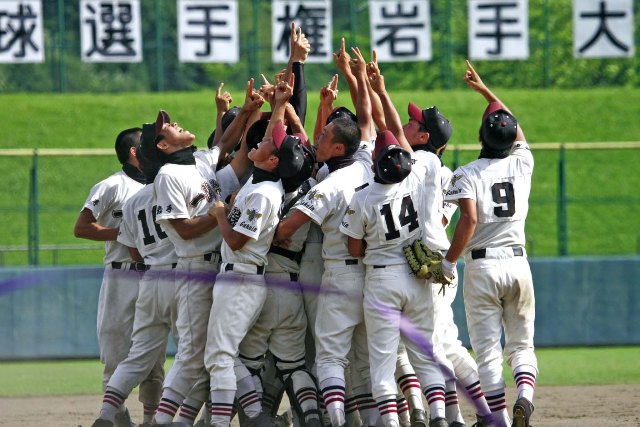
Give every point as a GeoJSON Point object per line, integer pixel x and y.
{"type": "Point", "coordinates": [568, 215]}
{"type": "Point", "coordinates": [551, 62]}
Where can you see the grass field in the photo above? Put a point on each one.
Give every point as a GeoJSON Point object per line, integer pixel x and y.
{"type": "Point", "coordinates": [601, 185]}
{"type": "Point", "coordinates": [558, 367]}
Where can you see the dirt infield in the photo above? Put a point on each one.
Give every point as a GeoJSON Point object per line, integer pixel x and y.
{"type": "Point", "coordinates": [585, 406]}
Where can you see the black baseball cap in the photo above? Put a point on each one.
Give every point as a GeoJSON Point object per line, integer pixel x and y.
{"type": "Point", "coordinates": [434, 122]}
{"type": "Point", "coordinates": [341, 112]}
{"type": "Point", "coordinates": [289, 150]}
{"type": "Point", "coordinates": [392, 162]}
{"type": "Point", "coordinates": [499, 128]}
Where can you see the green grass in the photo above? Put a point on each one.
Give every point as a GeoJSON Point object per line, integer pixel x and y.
{"type": "Point", "coordinates": [601, 185]}
{"type": "Point", "coordinates": [558, 366]}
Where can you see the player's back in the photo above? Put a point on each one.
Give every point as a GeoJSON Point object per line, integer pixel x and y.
{"type": "Point", "coordinates": [140, 230]}
{"type": "Point", "coordinates": [501, 189]}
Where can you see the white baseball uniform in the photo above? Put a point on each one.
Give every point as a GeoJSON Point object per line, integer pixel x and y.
{"type": "Point", "coordinates": [281, 327]}
{"type": "Point", "coordinates": [387, 217]}
{"type": "Point", "coordinates": [183, 192]}
{"type": "Point", "coordinates": [240, 290]}
{"type": "Point", "coordinates": [156, 308]}
{"type": "Point", "coordinates": [339, 321]}
{"type": "Point", "coordinates": [498, 289]}
{"type": "Point", "coordinates": [119, 289]}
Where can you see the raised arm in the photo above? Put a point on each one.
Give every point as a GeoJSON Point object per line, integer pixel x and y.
{"type": "Point", "coordinates": [328, 94]}
{"type": "Point", "coordinates": [377, 113]}
{"type": "Point", "coordinates": [391, 116]}
{"type": "Point", "coordinates": [300, 48]}
{"type": "Point", "coordinates": [363, 105]}
{"type": "Point", "coordinates": [342, 58]}
{"type": "Point", "coordinates": [223, 104]}
{"type": "Point", "coordinates": [253, 101]}
{"type": "Point", "coordinates": [473, 80]}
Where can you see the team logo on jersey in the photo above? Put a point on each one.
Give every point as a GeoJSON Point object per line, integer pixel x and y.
{"type": "Point", "coordinates": [216, 190]}
{"type": "Point", "coordinates": [158, 210]}
{"type": "Point", "coordinates": [95, 202]}
{"type": "Point", "coordinates": [169, 208]}
{"type": "Point", "coordinates": [253, 214]}
{"type": "Point", "coordinates": [455, 179]}
{"type": "Point", "coordinates": [314, 195]}
{"type": "Point", "coordinates": [234, 216]}
{"type": "Point", "coordinates": [117, 213]}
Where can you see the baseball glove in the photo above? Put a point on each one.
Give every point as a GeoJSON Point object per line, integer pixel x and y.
{"type": "Point", "coordinates": [425, 263]}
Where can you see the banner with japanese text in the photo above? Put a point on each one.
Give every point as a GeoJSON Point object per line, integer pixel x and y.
{"type": "Point", "coordinates": [21, 32]}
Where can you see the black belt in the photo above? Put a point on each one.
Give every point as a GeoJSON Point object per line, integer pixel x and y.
{"type": "Point", "coordinates": [209, 256]}
{"type": "Point", "coordinates": [135, 266]}
{"type": "Point", "coordinates": [379, 266]}
{"type": "Point", "coordinates": [482, 253]}
{"type": "Point", "coordinates": [173, 265]}
{"type": "Point", "coordinates": [351, 261]}
{"type": "Point", "coordinates": [259, 268]}
{"type": "Point", "coordinates": [292, 255]}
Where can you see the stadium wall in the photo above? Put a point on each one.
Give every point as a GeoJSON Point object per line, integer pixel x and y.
{"type": "Point", "coordinates": [50, 312]}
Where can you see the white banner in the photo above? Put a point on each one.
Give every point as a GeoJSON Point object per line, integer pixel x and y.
{"type": "Point", "coordinates": [313, 16]}
{"type": "Point", "coordinates": [498, 29]}
{"type": "Point", "coordinates": [110, 31]}
{"type": "Point", "coordinates": [21, 38]}
{"type": "Point", "coordinates": [400, 30]}
{"type": "Point", "coordinates": [603, 28]}
{"type": "Point", "coordinates": [208, 31]}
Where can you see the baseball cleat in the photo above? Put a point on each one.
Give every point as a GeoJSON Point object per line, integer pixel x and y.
{"type": "Point", "coordinates": [102, 423]}
{"type": "Point", "coordinates": [418, 418]}
{"type": "Point", "coordinates": [438, 422]}
{"type": "Point", "coordinates": [457, 424]}
{"type": "Point", "coordinates": [522, 411]}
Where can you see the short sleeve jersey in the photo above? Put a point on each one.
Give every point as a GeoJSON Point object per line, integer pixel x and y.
{"type": "Point", "coordinates": [187, 191]}
{"type": "Point", "coordinates": [449, 208]}
{"type": "Point", "coordinates": [387, 217]}
{"type": "Point", "coordinates": [105, 202]}
{"type": "Point", "coordinates": [434, 234]}
{"type": "Point", "coordinates": [254, 214]}
{"type": "Point", "coordinates": [500, 188]}
{"type": "Point", "coordinates": [140, 230]}
{"type": "Point", "coordinates": [279, 263]}
{"type": "Point", "coordinates": [327, 202]}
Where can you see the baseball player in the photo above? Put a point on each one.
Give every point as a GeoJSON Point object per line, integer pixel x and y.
{"type": "Point", "coordinates": [185, 187]}
{"type": "Point", "coordinates": [248, 231]}
{"type": "Point", "coordinates": [339, 322]}
{"type": "Point", "coordinates": [155, 310]}
{"type": "Point", "coordinates": [100, 219]}
{"type": "Point", "coordinates": [492, 194]}
{"type": "Point", "coordinates": [281, 327]}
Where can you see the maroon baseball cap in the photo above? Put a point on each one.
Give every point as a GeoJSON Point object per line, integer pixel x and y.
{"type": "Point", "coordinates": [434, 122]}
{"type": "Point", "coordinates": [163, 117]}
{"type": "Point", "coordinates": [499, 128]}
{"type": "Point", "coordinates": [392, 162]}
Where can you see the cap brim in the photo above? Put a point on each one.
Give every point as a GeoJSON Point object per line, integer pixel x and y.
{"type": "Point", "coordinates": [163, 117]}
{"type": "Point", "coordinates": [415, 112]}
{"type": "Point", "coordinates": [278, 134]}
{"type": "Point", "coordinates": [492, 108]}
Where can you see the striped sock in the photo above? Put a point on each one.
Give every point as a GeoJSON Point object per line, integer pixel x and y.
{"type": "Point", "coordinates": [187, 414]}
{"type": "Point", "coordinates": [525, 377]}
{"type": "Point", "coordinates": [498, 406]}
{"type": "Point", "coordinates": [477, 396]}
{"type": "Point", "coordinates": [221, 406]}
{"type": "Point", "coordinates": [410, 386]}
{"type": "Point", "coordinates": [333, 395]}
{"type": "Point", "coordinates": [149, 413]}
{"type": "Point", "coordinates": [388, 409]}
{"type": "Point", "coordinates": [167, 410]}
{"type": "Point", "coordinates": [250, 404]}
{"type": "Point", "coordinates": [112, 404]}
{"type": "Point", "coordinates": [435, 399]}
{"type": "Point", "coordinates": [403, 410]}
{"type": "Point", "coordinates": [368, 408]}
{"type": "Point", "coordinates": [451, 405]}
